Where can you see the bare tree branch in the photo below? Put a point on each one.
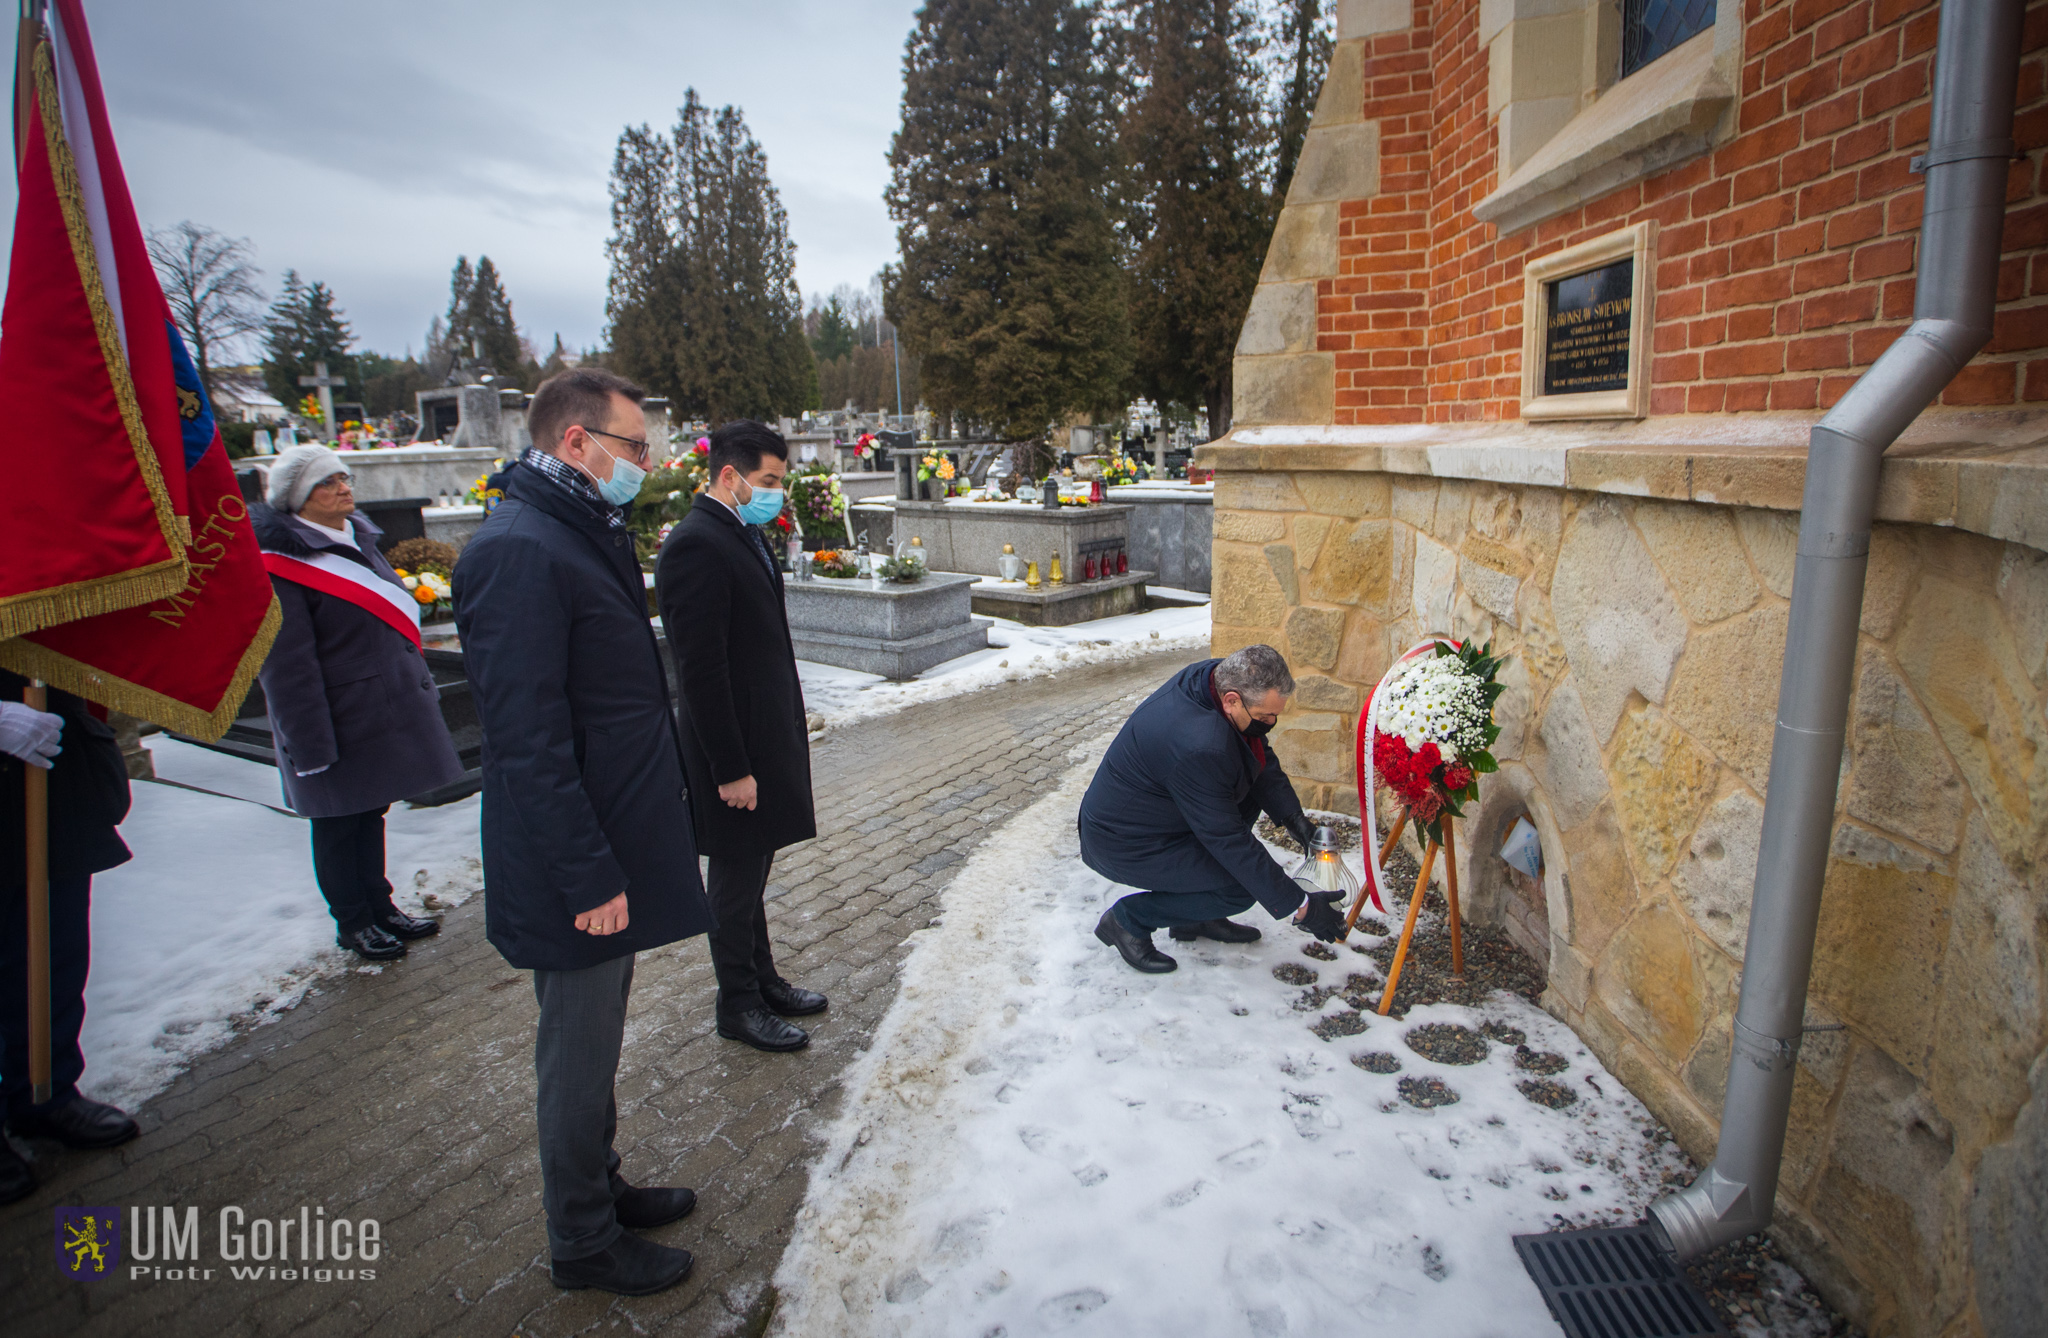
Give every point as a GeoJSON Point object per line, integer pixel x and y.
{"type": "Point", "coordinates": [210, 282]}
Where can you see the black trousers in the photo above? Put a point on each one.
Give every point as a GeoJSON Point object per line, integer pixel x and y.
{"type": "Point", "coordinates": [348, 862]}
{"type": "Point", "coordinates": [576, 1060]}
{"type": "Point", "coordinates": [739, 944]}
{"type": "Point", "coordinates": [70, 955]}
{"type": "Point", "coordinates": [1143, 912]}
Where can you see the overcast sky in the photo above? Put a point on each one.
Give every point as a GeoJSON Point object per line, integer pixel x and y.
{"type": "Point", "coordinates": [367, 143]}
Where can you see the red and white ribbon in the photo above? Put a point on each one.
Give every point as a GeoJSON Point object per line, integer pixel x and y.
{"type": "Point", "coordinates": [332, 574]}
{"type": "Point", "coordinates": [1368, 782]}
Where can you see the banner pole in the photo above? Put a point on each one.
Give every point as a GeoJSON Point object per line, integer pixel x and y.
{"type": "Point", "coordinates": [36, 785]}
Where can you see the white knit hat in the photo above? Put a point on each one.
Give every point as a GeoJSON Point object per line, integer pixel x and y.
{"type": "Point", "coordinates": [299, 470]}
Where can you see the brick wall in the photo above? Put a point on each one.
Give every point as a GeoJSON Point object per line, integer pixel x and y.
{"type": "Point", "coordinates": [1785, 257]}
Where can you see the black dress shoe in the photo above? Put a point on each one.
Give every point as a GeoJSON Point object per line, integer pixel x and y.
{"type": "Point", "coordinates": [402, 926]}
{"type": "Point", "coordinates": [640, 1208]}
{"type": "Point", "coordinates": [1223, 931]}
{"type": "Point", "coordinates": [764, 1031]}
{"type": "Point", "coordinates": [372, 945]}
{"type": "Point", "coordinates": [1137, 949]}
{"type": "Point", "coordinates": [629, 1266]}
{"type": "Point", "coordinates": [17, 1177]}
{"type": "Point", "coordinates": [78, 1123]}
{"type": "Point", "coordinates": [791, 1001]}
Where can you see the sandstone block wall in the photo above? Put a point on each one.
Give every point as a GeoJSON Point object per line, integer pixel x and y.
{"type": "Point", "coordinates": [1647, 637]}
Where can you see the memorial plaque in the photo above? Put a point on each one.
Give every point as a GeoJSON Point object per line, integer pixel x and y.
{"type": "Point", "coordinates": [1586, 335]}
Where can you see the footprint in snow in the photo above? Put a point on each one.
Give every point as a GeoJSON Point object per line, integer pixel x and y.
{"type": "Point", "coordinates": [1068, 1307]}
{"type": "Point", "coordinates": [1195, 1110]}
{"type": "Point", "coordinates": [1182, 1197]}
{"type": "Point", "coordinates": [1250, 1157]}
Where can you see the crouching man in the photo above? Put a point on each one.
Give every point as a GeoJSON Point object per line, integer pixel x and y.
{"type": "Point", "coordinates": [1172, 805]}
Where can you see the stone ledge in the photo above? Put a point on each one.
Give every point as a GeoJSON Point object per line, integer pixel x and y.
{"type": "Point", "coordinates": [1978, 471]}
{"type": "Point", "coordinates": [1662, 115]}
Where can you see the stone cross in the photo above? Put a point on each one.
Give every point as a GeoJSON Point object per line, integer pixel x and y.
{"type": "Point", "coordinates": [325, 384]}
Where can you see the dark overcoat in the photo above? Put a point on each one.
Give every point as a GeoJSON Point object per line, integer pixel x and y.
{"type": "Point", "coordinates": [346, 690]}
{"type": "Point", "coordinates": [1172, 805]}
{"type": "Point", "coordinates": [88, 786]}
{"type": "Point", "coordinates": [742, 705]}
{"type": "Point", "coordinates": [583, 775]}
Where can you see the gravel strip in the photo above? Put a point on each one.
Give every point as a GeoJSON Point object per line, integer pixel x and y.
{"type": "Point", "coordinates": [1446, 1043]}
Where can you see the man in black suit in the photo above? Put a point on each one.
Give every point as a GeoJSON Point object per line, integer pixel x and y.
{"type": "Point", "coordinates": [745, 745]}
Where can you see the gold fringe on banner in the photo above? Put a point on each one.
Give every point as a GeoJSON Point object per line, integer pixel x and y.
{"type": "Point", "coordinates": [71, 195]}
{"type": "Point", "coordinates": [33, 660]}
{"type": "Point", "coordinates": [25, 613]}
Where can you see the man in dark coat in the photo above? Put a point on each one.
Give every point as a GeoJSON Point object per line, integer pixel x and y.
{"type": "Point", "coordinates": [1172, 805]}
{"type": "Point", "coordinates": [744, 738]}
{"type": "Point", "coordinates": [588, 856]}
{"type": "Point", "coordinates": [88, 789]}
{"type": "Point", "coordinates": [353, 708]}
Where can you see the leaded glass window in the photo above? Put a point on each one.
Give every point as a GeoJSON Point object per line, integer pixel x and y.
{"type": "Point", "coordinates": [1653, 28]}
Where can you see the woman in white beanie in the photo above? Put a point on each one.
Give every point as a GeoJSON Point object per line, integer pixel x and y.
{"type": "Point", "coordinates": [354, 711]}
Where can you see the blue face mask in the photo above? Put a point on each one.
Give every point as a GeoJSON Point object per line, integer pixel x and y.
{"type": "Point", "coordinates": [764, 506]}
{"type": "Point", "coordinates": [624, 484]}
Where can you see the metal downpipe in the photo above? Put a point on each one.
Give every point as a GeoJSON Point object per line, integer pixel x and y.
{"type": "Point", "coordinates": [1969, 148]}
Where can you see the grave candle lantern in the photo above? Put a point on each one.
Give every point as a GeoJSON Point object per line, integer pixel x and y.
{"type": "Point", "coordinates": [1325, 866]}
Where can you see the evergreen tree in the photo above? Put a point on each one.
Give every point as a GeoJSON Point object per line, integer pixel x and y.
{"type": "Point", "coordinates": [1194, 139]}
{"type": "Point", "coordinates": [831, 331]}
{"type": "Point", "coordinates": [480, 323]}
{"type": "Point", "coordinates": [559, 360]}
{"type": "Point", "coordinates": [389, 384]}
{"type": "Point", "coordinates": [1009, 288]}
{"type": "Point", "coordinates": [703, 301]}
{"type": "Point", "coordinates": [305, 328]}
{"type": "Point", "coordinates": [1302, 43]}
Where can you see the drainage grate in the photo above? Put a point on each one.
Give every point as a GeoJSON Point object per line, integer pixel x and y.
{"type": "Point", "coordinates": [1615, 1282]}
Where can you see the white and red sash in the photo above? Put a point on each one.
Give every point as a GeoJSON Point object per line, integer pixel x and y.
{"type": "Point", "coordinates": [332, 574]}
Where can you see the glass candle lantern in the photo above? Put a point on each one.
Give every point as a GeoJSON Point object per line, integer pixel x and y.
{"type": "Point", "coordinates": [1326, 867]}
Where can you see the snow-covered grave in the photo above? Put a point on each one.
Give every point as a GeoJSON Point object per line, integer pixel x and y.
{"type": "Point", "coordinates": [1015, 651]}
{"type": "Point", "coordinates": [1042, 1140]}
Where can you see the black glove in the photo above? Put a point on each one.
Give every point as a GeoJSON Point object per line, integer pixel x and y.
{"type": "Point", "coordinates": [1322, 917]}
{"type": "Point", "coordinates": [1303, 831]}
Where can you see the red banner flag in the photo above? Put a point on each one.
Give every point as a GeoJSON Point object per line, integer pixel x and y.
{"type": "Point", "coordinates": [132, 577]}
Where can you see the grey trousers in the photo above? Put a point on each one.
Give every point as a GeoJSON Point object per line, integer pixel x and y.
{"type": "Point", "coordinates": [576, 1058]}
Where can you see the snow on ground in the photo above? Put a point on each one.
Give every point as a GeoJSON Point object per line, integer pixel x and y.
{"type": "Point", "coordinates": [1015, 651]}
{"type": "Point", "coordinates": [1042, 1140]}
{"type": "Point", "coordinates": [217, 924]}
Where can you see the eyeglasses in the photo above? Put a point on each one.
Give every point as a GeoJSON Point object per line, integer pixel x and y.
{"type": "Point", "coordinates": [642, 449]}
{"type": "Point", "coordinates": [342, 480]}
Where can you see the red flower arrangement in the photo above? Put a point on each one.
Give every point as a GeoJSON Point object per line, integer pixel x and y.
{"type": "Point", "coordinates": [1430, 723]}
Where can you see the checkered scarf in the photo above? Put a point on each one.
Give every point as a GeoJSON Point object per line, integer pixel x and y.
{"type": "Point", "coordinates": [564, 476]}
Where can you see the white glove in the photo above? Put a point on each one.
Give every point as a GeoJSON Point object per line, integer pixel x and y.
{"type": "Point", "coordinates": [29, 734]}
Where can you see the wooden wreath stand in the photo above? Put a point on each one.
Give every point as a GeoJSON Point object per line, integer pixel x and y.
{"type": "Point", "coordinates": [1450, 853]}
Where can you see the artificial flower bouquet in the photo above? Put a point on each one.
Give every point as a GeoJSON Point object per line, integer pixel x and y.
{"type": "Point", "coordinates": [834, 562]}
{"type": "Point", "coordinates": [815, 498]}
{"type": "Point", "coordinates": [1120, 469]}
{"type": "Point", "coordinates": [435, 595]}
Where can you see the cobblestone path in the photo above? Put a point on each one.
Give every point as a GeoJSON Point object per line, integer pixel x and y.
{"type": "Point", "coordinates": [408, 1096]}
